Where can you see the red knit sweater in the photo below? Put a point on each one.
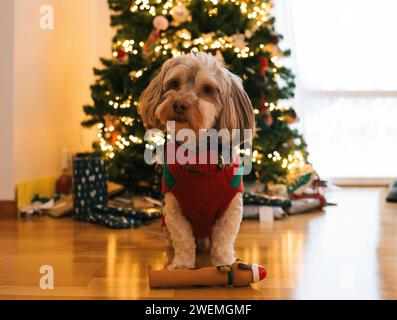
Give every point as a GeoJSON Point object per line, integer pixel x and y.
{"type": "Point", "coordinates": [203, 195]}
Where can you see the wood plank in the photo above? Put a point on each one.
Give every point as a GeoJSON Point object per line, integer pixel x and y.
{"type": "Point", "coordinates": [349, 252]}
{"type": "Point", "coordinates": [8, 209]}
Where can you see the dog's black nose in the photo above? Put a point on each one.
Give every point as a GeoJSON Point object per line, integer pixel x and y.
{"type": "Point", "coordinates": [179, 107]}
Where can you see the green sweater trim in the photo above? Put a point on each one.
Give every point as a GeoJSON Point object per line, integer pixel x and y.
{"type": "Point", "coordinates": [235, 182]}
{"type": "Point", "coordinates": [168, 177]}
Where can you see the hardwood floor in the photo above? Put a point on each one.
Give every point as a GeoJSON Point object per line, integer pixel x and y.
{"type": "Point", "coordinates": [349, 252]}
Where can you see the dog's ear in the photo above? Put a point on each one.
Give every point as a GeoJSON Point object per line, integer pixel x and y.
{"type": "Point", "coordinates": [151, 97]}
{"type": "Point", "coordinates": [237, 111]}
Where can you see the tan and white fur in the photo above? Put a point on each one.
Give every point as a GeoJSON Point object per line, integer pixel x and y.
{"type": "Point", "coordinates": [198, 92]}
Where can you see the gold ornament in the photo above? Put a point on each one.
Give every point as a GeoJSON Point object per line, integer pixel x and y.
{"type": "Point", "coordinates": [180, 14]}
{"type": "Point", "coordinates": [238, 40]}
{"type": "Point", "coordinates": [273, 49]}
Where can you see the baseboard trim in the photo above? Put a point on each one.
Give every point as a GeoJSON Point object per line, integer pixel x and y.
{"type": "Point", "coordinates": [8, 209]}
{"type": "Point", "coordinates": [362, 182]}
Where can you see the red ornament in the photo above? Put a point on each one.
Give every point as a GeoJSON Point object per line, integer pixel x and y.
{"type": "Point", "coordinates": [264, 65]}
{"type": "Point", "coordinates": [121, 54]}
{"type": "Point", "coordinates": [263, 108]}
{"type": "Point", "coordinates": [268, 117]}
{"type": "Point", "coordinates": [114, 137]}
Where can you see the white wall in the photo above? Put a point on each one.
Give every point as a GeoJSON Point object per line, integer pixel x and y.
{"type": "Point", "coordinates": [6, 99]}
{"type": "Point", "coordinates": [53, 72]}
{"type": "Point", "coordinates": [44, 82]}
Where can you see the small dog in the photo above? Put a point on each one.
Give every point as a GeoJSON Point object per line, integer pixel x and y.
{"type": "Point", "coordinates": [198, 92]}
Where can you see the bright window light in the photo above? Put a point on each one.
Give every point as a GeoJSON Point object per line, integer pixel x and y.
{"type": "Point", "coordinates": [346, 57]}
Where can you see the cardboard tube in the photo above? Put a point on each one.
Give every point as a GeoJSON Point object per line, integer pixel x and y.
{"type": "Point", "coordinates": [187, 277]}
{"type": "Point", "coordinates": [211, 276]}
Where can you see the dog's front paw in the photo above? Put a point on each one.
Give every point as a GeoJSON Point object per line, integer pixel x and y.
{"type": "Point", "coordinates": [177, 264]}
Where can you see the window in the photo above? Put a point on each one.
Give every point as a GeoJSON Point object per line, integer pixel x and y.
{"type": "Point", "coordinates": [346, 60]}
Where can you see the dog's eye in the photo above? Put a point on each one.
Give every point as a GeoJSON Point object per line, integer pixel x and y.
{"type": "Point", "coordinates": [207, 89]}
{"type": "Point", "coordinates": [173, 85]}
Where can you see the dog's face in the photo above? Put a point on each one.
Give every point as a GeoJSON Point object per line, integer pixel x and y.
{"type": "Point", "coordinates": [197, 92]}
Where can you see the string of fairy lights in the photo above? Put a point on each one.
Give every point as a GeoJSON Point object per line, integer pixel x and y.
{"type": "Point", "coordinates": [256, 10]}
{"type": "Point", "coordinates": [253, 9]}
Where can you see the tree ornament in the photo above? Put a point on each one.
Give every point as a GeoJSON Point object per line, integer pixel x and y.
{"type": "Point", "coordinates": [114, 137]}
{"type": "Point", "coordinates": [273, 49]}
{"type": "Point", "coordinates": [183, 34]}
{"type": "Point", "coordinates": [249, 33]}
{"type": "Point", "coordinates": [133, 74]}
{"type": "Point", "coordinates": [265, 111]}
{"type": "Point", "coordinates": [180, 14]}
{"type": "Point", "coordinates": [264, 107]}
{"type": "Point", "coordinates": [206, 38]}
{"type": "Point", "coordinates": [238, 40]}
{"type": "Point", "coordinates": [109, 120]}
{"type": "Point", "coordinates": [264, 65]}
{"type": "Point", "coordinates": [160, 23]}
{"type": "Point", "coordinates": [114, 128]}
{"type": "Point", "coordinates": [290, 117]}
{"type": "Point", "coordinates": [268, 116]}
{"type": "Point", "coordinates": [121, 56]}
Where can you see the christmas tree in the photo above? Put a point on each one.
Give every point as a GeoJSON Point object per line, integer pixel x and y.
{"type": "Point", "coordinates": [241, 33]}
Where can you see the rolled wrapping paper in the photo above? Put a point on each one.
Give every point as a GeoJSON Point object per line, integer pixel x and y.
{"type": "Point", "coordinates": [238, 274]}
